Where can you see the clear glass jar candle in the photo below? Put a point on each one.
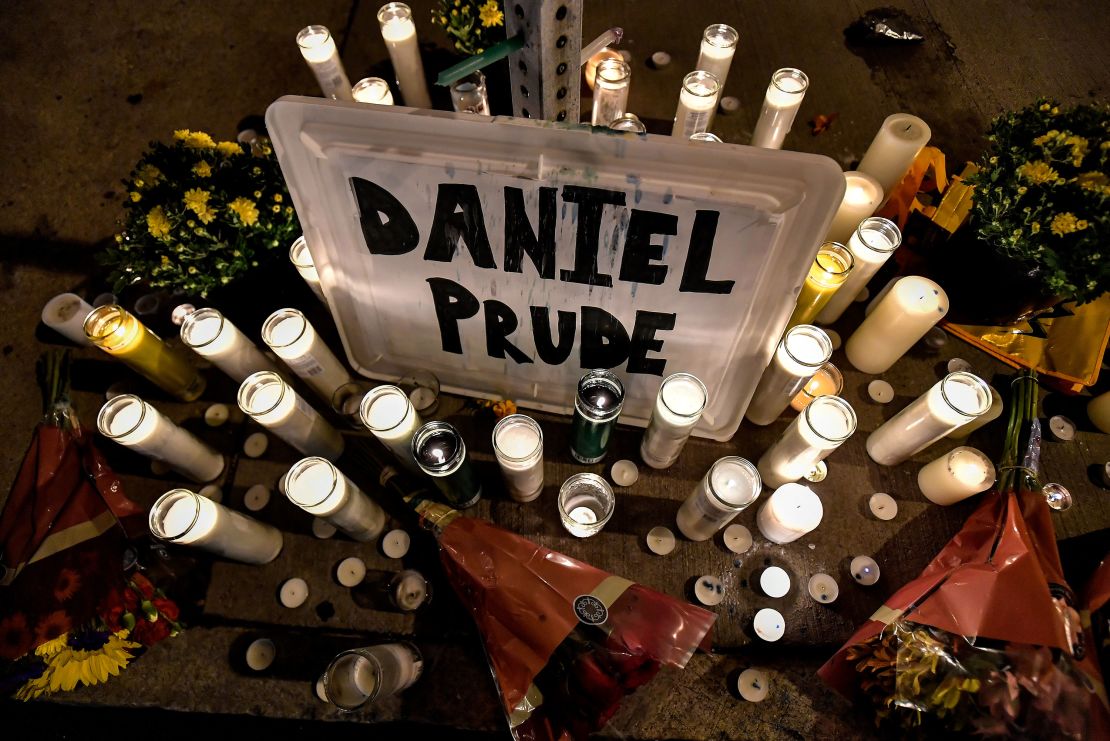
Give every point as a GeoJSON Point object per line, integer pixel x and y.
{"type": "Point", "coordinates": [181, 516]}
{"type": "Point", "coordinates": [117, 332]}
{"type": "Point", "coordinates": [830, 269]}
{"type": "Point", "coordinates": [871, 245]}
{"type": "Point", "coordinates": [964, 431]}
{"type": "Point", "coordinates": [629, 122]}
{"type": "Point", "coordinates": [440, 451]}
{"type": "Point", "coordinates": [780, 106]}
{"type": "Point", "coordinates": [586, 503]}
{"type": "Point", "coordinates": [399, 34]}
{"type": "Point", "coordinates": [270, 401]}
{"type": "Point", "coordinates": [800, 354]}
{"type": "Point", "coordinates": [696, 103]}
{"type": "Point", "coordinates": [373, 90]}
{"type": "Point", "coordinates": [955, 476]}
{"type": "Point", "coordinates": [315, 485]}
{"type": "Point", "coordinates": [862, 197]}
{"type": "Point", "coordinates": [718, 46]}
{"type": "Point", "coordinates": [820, 429]}
{"type": "Point", "coordinates": [306, 268]}
{"type": "Point", "coordinates": [827, 381]}
{"type": "Point", "coordinates": [293, 339]}
{"type": "Point", "coordinates": [678, 407]}
{"type": "Point", "coordinates": [320, 53]}
{"type": "Point", "coordinates": [468, 94]}
{"type": "Point", "coordinates": [359, 677]}
{"type": "Point", "coordinates": [389, 414]}
{"type": "Point", "coordinates": [518, 446]}
{"type": "Point", "coordinates": [597, 404]}
{"type": "Point", "coordinates": [728, 488]}
{"type": "Point", "coordinates": [953, 401]}
{"type": "Point", "coordinates": [209, 334]}
{"type": "Point", "coordinates": [610, 91]}
{"type": "Point", "coordinates": [131, 422]}
{"type": "Point", "coordinates": [790, 512]}
{"type": "Point", "coordinates": [909, 308]}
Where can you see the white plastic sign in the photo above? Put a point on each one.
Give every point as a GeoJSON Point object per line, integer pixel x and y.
{"type": "Point", "coordinates": [508, 256]}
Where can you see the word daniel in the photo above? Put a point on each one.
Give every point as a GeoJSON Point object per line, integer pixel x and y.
{"type": "Point", "coordinates": [389, 229]}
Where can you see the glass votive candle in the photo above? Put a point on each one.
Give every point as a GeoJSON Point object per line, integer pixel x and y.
{"type": "Point", "coordinates": [800, 354]}
{"type": "Point", "coordinates": [597, 404]}
{"type": "Point", "coordinates": [728, 488]}
{"type": "Point", "coordinates": [315, 485]}
{"type": "Point", "coordinates": [388, 413]}
{"type": "Point", "coordinates": [518, 446]}
{"type": "Point", "coordinates": [586, 503]}
{"type": "Point", "coordinates": [346, 401]}
{"type": "Point", "coordinates": [696, 103]}
{"type": "Point", "coordinates": [271, 402]}
{"type": "Point", "coordinates": [209, 334]}
{"type": "Point", "coordinates": [409, 590]}
{"type": "Point", "coordinates": [181, 516]}
{"type": "Point", "coordinates": [611, 85]}
{"type": "Point", "coordinates": [780, 105]}
{"type": "Point", "coordinates": [373, 90]}
{"type": "Point", "coordinates": [131, 422]}
{"type": "Point", "coordinates": [953, 401]}
{"type": "Point", "coordinates": [820, 429]}
{"type": "Point", "coordinates": [468, 94]}
{"type": "Point", "coordinates": [117, 332]}
{"type": "Point", "coordinates": [628, 122]}
{"type": "Point", "coordinates": [831, 268]}
{"type": "Point", "coordinates": [871, 244]}
{"type": "Point", "coordinates": [358, 677]}
{"type": "Point", "coordinates": [790, 512]}
{"type": "Point", "coordinates": [423, 392]}
{"type": "Point", "coordinates": [306, 268]}
{"type": "Point", "coordinates": [399, 34]}
{"type": "Point", "coordinates": [718, 46]}
{"type": "Point", "coordinates": [827, 381]}
{"type": "Point", "coordinates": [440, 451]}
{"type": "Point", "coordinates": [678, 408]}
{"type": "Point", "coordinates": [293, 339]}
{"type": "Point", "coordinates": [955, 476]}
{"type": "Point", "coordinates": [320, 53]}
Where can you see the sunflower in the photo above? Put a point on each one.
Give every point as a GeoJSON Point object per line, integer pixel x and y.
{"type": "Point", "coordinates": [89, 657]}
{"type": "Point", "coordinates": [15, 636]}
{"type": "Point", "coordinates": [48, 632]}
{"type": "Point", "coordinates": [69, 581]}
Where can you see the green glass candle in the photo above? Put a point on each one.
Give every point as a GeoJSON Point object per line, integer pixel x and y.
{"type": "Point", "coordinates": [596, 408]}
{"type": "Point", "coordinates": [439, 450]}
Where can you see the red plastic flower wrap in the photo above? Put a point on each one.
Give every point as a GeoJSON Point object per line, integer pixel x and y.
{"type": "Point", "coordinates": [986, 639]}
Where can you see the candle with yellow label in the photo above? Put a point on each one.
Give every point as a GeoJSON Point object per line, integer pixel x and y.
{"type": "Point", "coordinates": [830, 269]}
{"type": "Point", "coordinates": [117, 332]}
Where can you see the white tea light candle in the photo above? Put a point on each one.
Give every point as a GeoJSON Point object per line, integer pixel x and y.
{"type": "Point", "coordinates": [800, 354]}
{"type": "Point", "coordinates": [753, 685]}
{"type": "Point", "coordinates": [709, 590]}
{"type": "Point", "coordinates": [351, 571]}
{"type": "Point", "coordinates": [823, 588]}
{"type": "Point", "coordinates": [319, 488]}
{"type": "Point", "coordinates": [955, 476]}
{"type": "Point", "coordinates": [1098, 411]}
{"type": "Point", "coordinates": [180, 516]}
{"type": "Point", "coordinates": [320, 53]}
{"type": "Point", "coordinates": [269, 400]}
{"type": "Point", "coordinates": [133, 423]}
{"type": "Point", "coordinates": [737, 538]}
{"type": "Point", "coordinates": [769, 624]}
{"type": "Point", "coordinates": [871, 244]}
{"type": "Point", "coordinates": [261, 654]}
{"type": "Point", "coordinates": [624, 472]}
{"type": "Point", "coordinates": [864, 570]}
{"type": "Point", "coordinates": [792, 511]}
{"type": "Point", "coordinates": [399, 34]}
{"type": "Point", "coordinates": [780, 106]}
{"type": "Point", "coordinates": [293, 339]}
{"type": "Point", "coordinates": [209, 334]}
{"type": "Point", "coordinates": [729, 487]}
{"type": "Point", "coordinates": [696, 103]}
{"type": "Point", "coordinates": [678, 408]}
{"type": "Point", "coordinates": [395, 544]}
{"type": "Point", "coordinates": [65, 314]}
{"type": "Point", "coordinates": [821, 428]}
{"type": "Point", "coordinates": [518, 447]}
{"type": "Point", "coordinates": [894, 148]}
{"type": "Point", "coordinates": [862, 196]}
{"type": "Point", "coordinates": [294, 592]}
{"type": "Point", "coordinates": [409, 590]}
{"type": "Point", "coordinates": [257, 497]}
{"type": "Point", "coordinates": [883, 506]}
{"type": "Point", "coordinates": [899, 319]}
{"type": "Point", "coordinates": [774, 581]}
{"type": "Point", "coordinates": [880, 391]}
{"type": "Point", "coordinates": [660, 540]}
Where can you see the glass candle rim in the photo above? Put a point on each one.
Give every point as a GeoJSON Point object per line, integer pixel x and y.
{"type": "Point", "coordinates": [389, 11]}
{"type": "Point", "coordinates": [690, 377]}
{"type": "Point", "coordinates": [979, 455]}
{"type": "Point", "coordinates": [706, 136]}
{"type": "Point", "coordinates": [522, 419]}
{"type": "Point", "coordinates": [255, 381]}
{"type": "Point", "coordinates": [190, 318]}
{"type": "Point", "coordinates": [479, 84]}
{"type": "Point", "coordinates": [592, 412]}
{"type": "Point", "coordinates": [721, 35]}
{"type": "Point", "coordinates": [377, 392]}
{"type": "Point", "coordinates": [156, 528]}
{"type": "Point", "coordinates": [610, 63]}
{"type": "Point", "coordinates": [359, 386]}
{"type": "Point", "coordinates": [106, 313]}
{"type": "Point", "coordinates": [826, 249]}
{"type": "Point", "coordinates": [975, 382]}
{"type": "Point", "coordinates": [302, 465]}
{"type": "Point", "coordinates": [793, 73]}
{"type": "Point", "coordinates": [818, 334]}
{"type": "Point", "coordinates": [842, 405]}
{"type": "Point", "coordinates": [880, 224]}
{"type": "Point", "coordinates": [272, 321]}
{"type": "Point", "coordinates": [366, 83]}
{"type": "Point", "coordinates": [743, 463]}
{"type": "Point", "coordinates": [427, 430]}
{"type": "Point", "coordinates": [358, 654]}
{"type": "Point", "coordinates": [700, 75]}
{"type": "Point", "coordinates": [630, 118]}
{"type": "Point", "coordinates": [300, 248]}
{"type": "Point", "coordinates": [116, 401]}
{"type": "Point", "coordinates": [313, 30]}
{"type": "Point", "coordinates": [836, 375]}
{"type": "Point", "coordinates": [593, 478]}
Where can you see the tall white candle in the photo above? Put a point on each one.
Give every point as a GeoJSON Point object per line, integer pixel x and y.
{"type": "Point", "coordinates": [729, 487]}
{"type": "Point", "coordinates": [964, 431]}
{"type": "Point", "coordinates": [955, 400]}
{"type": "Point", "coordinates": [389, 414]}
{"type": "Point", "coordinates": [518, 446]}
{"type": "Point", "coordinates": [362, 675]}
{"type": "Point", "coordinates": [294, 340]}
{"type": "Point", "coordinates": [273, 404]}
{"type": "Point", "coordinates": [871, 245]}
{"type": "Point", "coordinates": [65, 314]}
{"type": "Point", "coordinates": [1098, 411]}
{"type": "Point", "coordinates": [784, 98]}
{"type": "Point", "coordinates": [318, 487]}
{"type": "Point", "coordinates": [319, 51]}
{"type": "Point", "coordinates": [132, 422]}
{"type": "Point", "coordinates": [610, 91]}
{"type": "Point", "coordinates": [700, 92]}
{"type": "Point", "coordinates": [862, 196]}
{"type": "Point", "coordinates": [399, 33]}
{"type": "Point", "coordinates": [718, 46]}
{"type": "Point", "coordinates": [820, 429]}
{"type": "Point", "coordinates": [911, 307]}
{"type": "Point", "coordinates": [678, 408]}
{"type": "Point", "coordinates": [801, 352]}
{"type": "Point", "coordinates": [791, 511]}
{"type": "Point", "coordinates": [894, 149]}
{"type": "Point", "coordinates": [372, 90]}
{"type": "Point", "coordinates": [213, 337]}
{"type": "Point", "coordinates": [955, 476]}
{"type": "Point", "coordinates": [306, 268]}
{"type": "Point", "coordinates": [181, 516]}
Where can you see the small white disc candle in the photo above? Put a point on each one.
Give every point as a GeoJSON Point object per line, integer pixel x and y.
{"type": "Point", "coordinates": [257, 497]}
{"type": "Point", "coordinates": [210, 335]}
{"type": "Point", "coordinates": [216, 415]}
{"type": "Point", "coordinates": [862, 296]}
{"type": "Point", "coordinates": [294, 592]}
{"type": "Point", "coordinates": [270, 401]}
{"type": "Point", "coordinates": [255, 445]}
{"type": "Point", "coordinates": [1105, 474]}
{"type": "Point", "coordinates": [660, 59]}
{"type": "Point", "coordinates": [864, 570]}
{"type": "Point", "coordinates": [729, 487]}
{"type": "Point", "coordinates": [935, 338]}
{"type": "Point", "coordinates": [753, 685]}
{"type": "Point", "coordinates": [135, 424]}
{"type": "Point", "coordinates": [780, 106]}
{"type": "Point", "coordinates": [883, 506]}
{"type": "Point", "coordinates": [774, 581]}
{"type": "Point", "coordinates": [955, 476]}
{"type": "Point", "coordinates": [894, 148]}
{"type": "Point", "coordinates": [678, 408]}
{"type": "Point", "coordinates": [624, 472]}
{"type": "Point", "coordinates": [409, 590]}
{"type": "Point", "coordinates": [792, 511]}
{"type": "Point", "coordinates": [823, 588]}
{"type": "Point", "coordinates": [351, 571]}
{"type": "Point", "coordinates": [293, 339]}
{"type": "Point", "coordinates": [518, 447]}
{"type": "Point", "coordinates": [395, 544]}
{"type": "Point", "coordinates": [301, 258]}
{"type": "Point", "coordinates": [862, 196]}
{"type": "Point", "coordinates": [389, 414]}
{"type": "Point", "coordinates": [696, 103]}
{"type": "Point", "coordinates": [321, 691]}
{"type": "Point", "coordinates": [260, 654]}
{"type": "Point", "coordinates": [898, 320]}
{"type": "Point", "coordinates": [65, 314]}
{"type": "Point", "coordinates": [799, 355]}
{"type": "Point", "coordinates": [709, 590]}
{"type": "Point", "coordinates": [871, 243]}
{"type": "Point", "coordinates": [399, 34]}
{"type": "Point", "coordinates": [323, 529]}
{"type": "Point", "coordinates": [660, 540]}
{"type": "Point", "coordinates": [738, 538]}
{"type": "Point", "coordinates": [769, 624]}
{"type": "Point", "coordinates": [1061, 429]}
{"type": "Point", "coordinates": [730, 104]}
{"type": "Point", "coordinates": [880, 391]}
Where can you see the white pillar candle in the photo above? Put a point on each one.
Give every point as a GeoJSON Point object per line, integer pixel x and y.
{"type": "Point", "coordinates": [133, 423]}
{"type": "Point", "coordinates": [696, 103]}
{"type": "Point", "coordinates": [273, 404]}
{"type": "Point", "coordinates": [894, 149]}
{"type": "Point", "coordinates": [610, 91]}
{"type": "Point", "coordinates": [518, 446]}
{"type": "Point", "coordinates": [964, 431]}
{"type": "Point", "coordinates": [955, 476]}
{"type": "Point", "coordinates": [678, 408]}
{"type": "Point", "coordinates": [820, 429]}
{"type": "Point", "coordinates": [862, 196]}
{"type": "Point", "coordinates": [871, 244]}
{"type": "Point", "coordinates": [399, 33]}
{"type": "Point", "coordinates": [65, 314]}
{"type": "Point", "coordinates": [1098, 411]}
{"type": "Point", "coordinates": [294, 340]}
{"type": "Point", "coordinates": [784, 98]}
{"type": "Point", "coordinates": [955, 400]}
{"type": "Point", "coordinates": [306, 268]}
{"type": "Point", "coordinates": [389, 414]}
{"type": "Point", "coordinates": [359, 677]}
{"type": "Point", "coordinates": [180, 516]}
{"type": "Point", "coordinates": [373, 90]}
{"type": "Point", "coordinates": [718, 46]}
{"type": "Point", "coordinates": [791, 511]}
{"type": "Point", "coordinates": [318, 487]}
{"type": "Point", "coordinates": [319, 51]}
{"type": "Point", "coordinates": [214, 338]}
{"type": "Point", "coordinates": [800, 353]}
{"type": "Point", "coordinates": [729, 487]}
{"type": "Point", "coordinates": [902, 317]}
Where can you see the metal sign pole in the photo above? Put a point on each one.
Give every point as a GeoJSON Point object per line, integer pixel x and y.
{"type": "Point", "coordinates": [544, 74]}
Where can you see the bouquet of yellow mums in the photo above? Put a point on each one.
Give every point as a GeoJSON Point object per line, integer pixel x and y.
{"type": "Point", "coordinates": [473, 25]}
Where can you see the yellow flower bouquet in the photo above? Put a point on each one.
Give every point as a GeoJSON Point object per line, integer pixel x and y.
{"type": "Point", "coordinates": [473, 25]}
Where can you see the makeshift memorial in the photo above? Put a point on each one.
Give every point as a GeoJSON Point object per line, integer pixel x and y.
{"type": "Point", "coordinates": [821, 428]}
{"type": "Point", "coordinates": [833, 266]}
{"type": "Point", "coordinates": [955, 476]}
{"type": "Point", "coordinates": [611, 84]}
{"type": "Point", "coordinates": [897, 319]}
{"type": "Point", "coordinates": [585, 503]}
{"type": "Point", "coordinates": [871, 244]}
{"type": "Point", "coordinates": [468, 94]}
{"type": "Point", "coordinates": [180, 516]}
{"type": "Point", "coordinates": [65, 314]}
{"type": "Point", "coordinates": [301, 258]}
{"type": "Point", "coordinates": [293, 339]}
{"type": "Point", "coordinates": [321, 489]}
{"type": "Point", "coordinates": [800, 354]}
{"type": "Point", "coordinates": [358, 677]}
{"type": "Point", "coordinates": [272, 403]}
{"type": "Point", "coordinates": [209, 334]}
{"type": "Point", "coordinates": [780, 106]}
{"type": "Point", "coordinates": [399, 33]}
{"type": "Point", "coordinates": [440, 452]}
{"type": "Point", "coordinates": [320, 52]}
{"type": "Point", "coordinates": [373, 90]}
{"type": "Point", "coordinates": [728, 488]}
{"type": "Point", "coordinates": [472, 25]}
{"type": "Point", "coordinates": [678, 407]}
{"type": "Point", "coordinates": [518, 447]}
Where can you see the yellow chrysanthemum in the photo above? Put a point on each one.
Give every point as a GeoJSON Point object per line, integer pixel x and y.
{"type": "Point", "coordinates": [490, 14]}
{"type": "Point", "coordinates": [1045, 106]}
{"type": "Point", "coordinates": [202, 169]}
{"type": "Point", "coordinates": [147, 176]}
{"type": "Point", "coordinates": [1037, 172]}
{"type": "Point", "coordinates": [277, 197]}
{"type": "Point", "coordinates": [504, 408]}
{"type": "Point", "coordinates": [276, 209]}
{"type": "Point", "coordinates": [165, 261]}
{"type": "Point", "coordinates": [1035, 227]}
{"type": "Point", "coordinates": [196, 200]}
{"type": "Point", "coordinates": [1078, 147]}
{"type": "Point", "coordinates": [194, 139]}
{"type": "Point", "coordinates": [135, 196]}
{"type": "Point", "coordinates": [1064, 223]}
{"type": "Point", "coordinates": [1094, 180]}
{"type": "Point", "coordinates": [206, 215]}
{"type": "Point", "coordinates": [245, 209]}
{"type": "Point", "coordinates": [157, 223]}
{"type": "Point", "coordinates": [1081, 224]}
{"type": "Point", "coordinates": [229, 149]}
